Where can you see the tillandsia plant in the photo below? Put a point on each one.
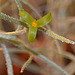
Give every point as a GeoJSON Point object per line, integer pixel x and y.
{"type": "Point", "coordinates": [34, 24]}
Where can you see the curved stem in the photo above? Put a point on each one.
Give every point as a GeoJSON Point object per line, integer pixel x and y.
{"type": "Point", "coordinates": [48, 32]}
{"type": "Point", "coordinates": [20, 8]}
{"type": "Point", "coordinates": [22, 45]}
{"type": "Point", "coordinates": [19, 4]}
{"type": "Point", "coordinates": [8, 60]}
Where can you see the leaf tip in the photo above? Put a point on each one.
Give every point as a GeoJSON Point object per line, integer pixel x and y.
{"type": "Point", "coordinates": [50, 15]}
{"type": "Point", "coordinates": [30, 41]}
{"type": "Point", "coordinates": [21, 71]}
{"type": "Point", "coordinates": [21, 12]}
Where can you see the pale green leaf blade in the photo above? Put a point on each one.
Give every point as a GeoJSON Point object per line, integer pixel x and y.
{"type": "Point", "coordinates": [26, 16]}
{"type": "Point", "coordinates": [32, 33]}
{"type": "Point", "coordinates": [44, 20]}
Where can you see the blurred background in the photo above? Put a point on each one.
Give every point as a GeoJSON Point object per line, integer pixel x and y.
{"type": "Point", "coordinates": [63, 23]}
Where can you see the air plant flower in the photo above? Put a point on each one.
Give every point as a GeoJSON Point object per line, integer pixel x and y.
{"type": "Point", "coordinates": [34, 24]}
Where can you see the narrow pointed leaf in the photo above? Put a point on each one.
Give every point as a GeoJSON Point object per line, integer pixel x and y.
{"type": "Point", "coordinates": [26, 63]}
{"type": "Point", "coordinates": [26, 16]}
{"type": "Point", "coordinates": [44, 20]}
{"type": "Point", "coordinates": [32, 33]}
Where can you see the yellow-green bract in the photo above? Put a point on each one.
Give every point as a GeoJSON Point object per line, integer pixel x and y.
{"type": "Point", "coordinates": [34, 24]}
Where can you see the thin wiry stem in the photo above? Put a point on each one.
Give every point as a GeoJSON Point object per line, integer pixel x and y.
{"type": "Point", "coordinates": [28, 4]}
{"type": "Point", "coordinates": [58, 46]}
{"type": "Point", "coordinates": [6, 36]}
{"type": "Point", "coordinates": [19, 4]}
{"type": "Point", "coordinates": [8, 60]}
{"type": "Point", "coordinates": [22, 45]}
{"type": "Point", "coordinates": [13, 33]}
{"type": "Point", "coordinates": [20, 8]}
{"type": "Point", "coordinates": [11, 19]}
{"type": "Point", "coordinates": [53, 64]}
{"type": "Point", "coordinates": [41, 56]}
{"type": "Point", "coordinates": [63, 54]}
{"type": "Point", "coordinates": [56, 36]}
{"type": "Point", "coordinates": [26, 63]}
{"type": "Point", "coordinates": [4, 6]}
{"type": "Point", "coordinates": [48, 32]}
